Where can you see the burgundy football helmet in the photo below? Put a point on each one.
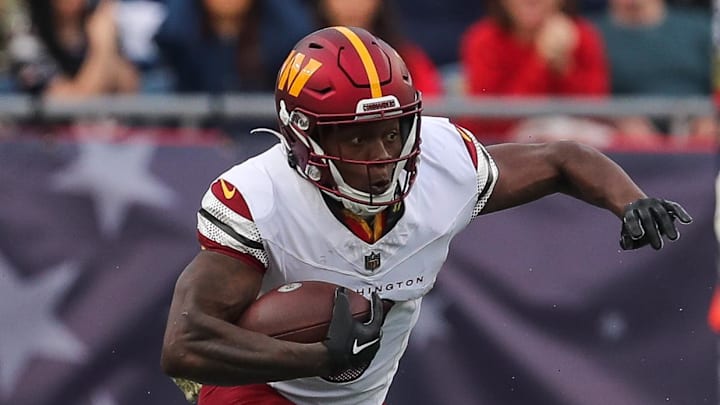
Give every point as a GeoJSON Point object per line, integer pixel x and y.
{"type": "Point", "coordinates": [345, 75]}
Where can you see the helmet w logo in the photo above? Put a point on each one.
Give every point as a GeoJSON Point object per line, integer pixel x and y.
{"type": "Point", "coordinates": [296, 72]}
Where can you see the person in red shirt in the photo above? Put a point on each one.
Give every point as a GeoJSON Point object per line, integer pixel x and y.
{"type": "Point", "coordinates": [377, 17]}
{"type": "Point", "coordinates": [532, 48]}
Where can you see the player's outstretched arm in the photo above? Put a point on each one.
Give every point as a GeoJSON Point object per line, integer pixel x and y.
{"type": "Point", "coordinates": [530, 171]}
{"type": "Point", "coordinates": [202, 343]}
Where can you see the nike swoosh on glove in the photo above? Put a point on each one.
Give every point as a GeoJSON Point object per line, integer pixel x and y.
{"type": "Point", "coordinates": [352, 343]}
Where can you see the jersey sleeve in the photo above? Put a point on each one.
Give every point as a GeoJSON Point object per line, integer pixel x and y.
{"type": "Point", "coordinates": [485, 169]}
{"type": "Point", "coordinates": [225, 225]}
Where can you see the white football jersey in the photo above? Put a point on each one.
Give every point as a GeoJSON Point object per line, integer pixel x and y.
{"type": "Point", "coordinates": [264, 209]}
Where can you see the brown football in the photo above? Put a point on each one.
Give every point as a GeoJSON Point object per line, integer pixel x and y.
{"type": "Point", "coordinates": [301, 311]}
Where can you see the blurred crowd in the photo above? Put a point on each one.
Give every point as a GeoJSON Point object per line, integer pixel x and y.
{"type": "Point", "coordinates": [524, 48]}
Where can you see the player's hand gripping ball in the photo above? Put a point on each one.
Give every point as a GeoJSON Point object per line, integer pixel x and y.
{"type": "Point", "coordinates": [353, 344]}
{"type": "Point", "coordinates": [347, 323]}
{"type": "Point", "coordinates": [301, 312]}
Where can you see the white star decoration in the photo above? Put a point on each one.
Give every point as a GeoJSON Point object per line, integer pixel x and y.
{"type": "Point", "coordinates": [612, 325]}
{"type": "Point", "coordinates": [431, 325]}
{"type": "Point", "coordinates": [115, 176]}
{"type": "Point", "coordinates": [28, 323]}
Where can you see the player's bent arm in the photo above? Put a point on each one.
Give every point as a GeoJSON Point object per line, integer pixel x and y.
{"type": "Point", "coordinates": [202, 343]}
{"type": "Point", "coordinates": [530, 171]}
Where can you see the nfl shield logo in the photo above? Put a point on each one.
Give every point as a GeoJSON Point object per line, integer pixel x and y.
{"type": "Point", "coordinates": [372, 261]}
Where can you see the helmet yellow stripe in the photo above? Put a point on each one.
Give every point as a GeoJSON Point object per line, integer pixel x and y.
{"type": "Point", "coordinates": [304, 76]}
{"type": "Point", "coordinates": [366, 59]}
{"type": "Point", "coordinates": [285, 70]}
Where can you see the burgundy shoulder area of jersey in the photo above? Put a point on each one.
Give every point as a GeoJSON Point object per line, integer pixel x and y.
{"type": "Point", "coordinates": [212, 246]}
{"type": "Point", "coordinates": [469, 142]}
{"type": "Point", "coordinates": [229, 195]}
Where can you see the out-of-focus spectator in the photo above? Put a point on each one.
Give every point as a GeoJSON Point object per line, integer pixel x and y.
{"type": "Point", "coordinates": [378, 17]}
{"type": "Point", "coordinates": [4, 34]}
{"type": "Point", "coordinates": [13, 18]}
{"type": "Point", "coordinates": [72, 50]}
{"type": "Point", "coordinates": [138, 21]}
{"type": "Point", "coordinates": [701, 5]}
{"type": "Point", "coordinates": [656, 50]}
{"type": "Point", "coordinates": [531, 48]}
{"type": "Point", "coordinates": [223, 46]}
{"type": "Point", "coordinates": [448, 20]}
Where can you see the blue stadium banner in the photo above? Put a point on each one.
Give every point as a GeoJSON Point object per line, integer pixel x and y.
{"type": "Point", "coordinates": [536, 305]}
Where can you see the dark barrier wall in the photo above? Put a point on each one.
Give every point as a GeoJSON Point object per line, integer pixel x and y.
{"type": "Point", "coordinates": [535, 306]}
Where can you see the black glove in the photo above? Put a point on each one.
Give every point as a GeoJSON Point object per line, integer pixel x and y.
{"type": "Point", "coordinates": [351, 343]}
{"type": "Point", "coordinates": [648, 219]}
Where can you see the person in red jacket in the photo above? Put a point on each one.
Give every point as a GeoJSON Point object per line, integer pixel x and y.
{"type": "Point", "coordinates": [532, 48]}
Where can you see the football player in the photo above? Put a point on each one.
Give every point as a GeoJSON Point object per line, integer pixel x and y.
{"type": "Point", "coordinates": [364, 192]}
